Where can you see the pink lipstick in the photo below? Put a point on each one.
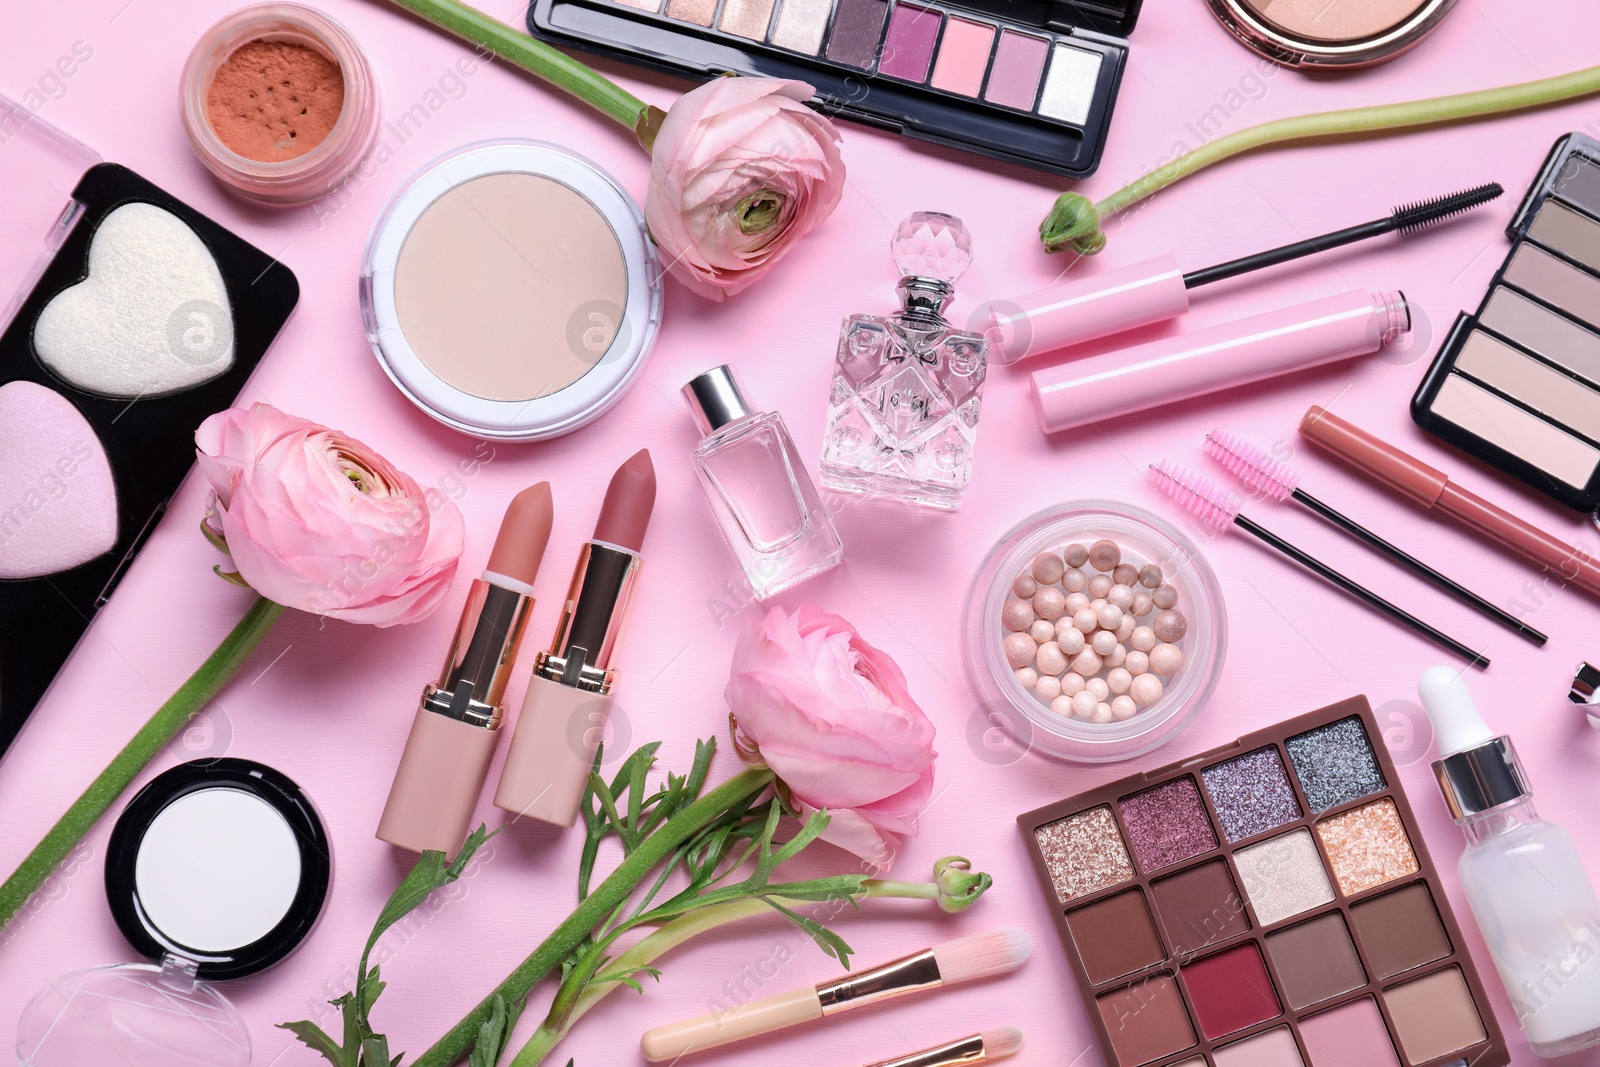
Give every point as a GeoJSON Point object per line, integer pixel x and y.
{"type": "Point", "coordinates": [446, 758]}
{"type": "Point", "coordinates": [569, 697]}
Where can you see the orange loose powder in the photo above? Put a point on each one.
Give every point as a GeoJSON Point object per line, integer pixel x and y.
{"type": "Point", "coordinates": [274, 100]}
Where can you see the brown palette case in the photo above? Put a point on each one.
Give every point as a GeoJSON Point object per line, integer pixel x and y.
{"type": "Point", "coordinates": [1269, 903]}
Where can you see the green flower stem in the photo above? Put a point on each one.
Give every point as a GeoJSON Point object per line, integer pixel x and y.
{"type": "Point", "coordinates": [596, 908]}
{"type": "Point", "coordinates": [1329, 124]}
{"type": "Point", "coordinates": [152, 737]}
{"type": "Point", "coordinates": [541, 60]}
{"type": "Point", "coordinates": [675, 933]}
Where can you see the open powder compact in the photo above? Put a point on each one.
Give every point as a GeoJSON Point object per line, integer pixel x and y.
{"type": "Point", "coordinates": [133, 318]}
{"type": "Point", "coordinates": [217, 869]}
{"type": "Point", "coordinates": [511, 292]}
{"type": "Point", "coordinates": [1330, 34]}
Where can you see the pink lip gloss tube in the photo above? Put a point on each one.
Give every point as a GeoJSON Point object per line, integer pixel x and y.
{"type": "Point", "coordinates": [1236, 353]}
{"type": "Point", "coordinates": [1074, 312]}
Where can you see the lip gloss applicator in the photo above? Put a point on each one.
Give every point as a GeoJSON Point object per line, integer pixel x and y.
{"type": "Point", "coordinates": [569, 695]}
{"type": "Point", "coordinates": [452, 739]}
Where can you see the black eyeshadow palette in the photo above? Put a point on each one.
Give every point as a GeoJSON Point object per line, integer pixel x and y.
{"type": "Point", "coordinates": [137, 318]}
{"type": "Point", "coordinates": [1517, 384]}
{"type": "Point", "coordinates": [1028, 81]}
{"type": "Point", "coordinates": [1269, 903]}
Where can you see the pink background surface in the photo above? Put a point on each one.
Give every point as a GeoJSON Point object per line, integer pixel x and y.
{"type": "Point", "coordinates": [329, 704]}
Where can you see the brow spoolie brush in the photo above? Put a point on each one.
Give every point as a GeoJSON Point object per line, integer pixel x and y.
{"type": "Point", "coordinates": [1218, 509]}
{"type": "Point", "coordinates": [1280, 482]}
{"type": "Point", "coordinates": [1072, 312]}
{"type": "Point", "coordinates": [979, 1048]}
{"type": "Point", "coordinates": [965, 960]}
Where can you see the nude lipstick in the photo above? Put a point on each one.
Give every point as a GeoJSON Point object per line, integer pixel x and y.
{"type": "Point", "coordinates": [453, 736]}
{"type": "Point", "coordinates": [569, 697]}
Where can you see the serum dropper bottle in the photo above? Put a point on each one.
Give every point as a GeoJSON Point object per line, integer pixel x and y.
{"type": "Point", "coordinates": [1522, 875]}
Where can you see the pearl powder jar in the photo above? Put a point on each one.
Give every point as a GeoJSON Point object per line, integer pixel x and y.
{"type": "Point", "coordinates": [1027, 720]}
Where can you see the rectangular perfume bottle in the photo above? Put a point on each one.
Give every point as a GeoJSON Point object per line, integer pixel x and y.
{"type": "Point", "coordinates": [763, 500]}
{"type": "Point", "coordinates": [907, 388]}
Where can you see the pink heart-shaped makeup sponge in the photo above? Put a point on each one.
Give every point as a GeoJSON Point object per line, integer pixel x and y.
{"type": "Point", "coordinates": [58, 504]}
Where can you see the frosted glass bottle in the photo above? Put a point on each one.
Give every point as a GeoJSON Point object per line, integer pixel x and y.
{"type": "Point", "coordinates": [1522, 875]}
{"type": "Point", "coordinates": [764, 502]}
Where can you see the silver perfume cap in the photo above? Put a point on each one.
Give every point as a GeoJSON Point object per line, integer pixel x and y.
{"type": "Point", "coordinates": [1481, 779]}
{"type": "Point", "coordinates": [715, 399]}
{"type": "Point", "coordinates": [1477, 771]}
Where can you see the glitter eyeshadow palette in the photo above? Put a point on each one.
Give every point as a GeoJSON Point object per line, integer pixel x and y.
{"type": "Point", "coordinates": [134, 317]}
{"type": "Point", "coordinates": [1266, 904]}
{"type": "Point", "coordinates": [1027, 81]}
{"type": "Point", "coordinates": [1518, 384]}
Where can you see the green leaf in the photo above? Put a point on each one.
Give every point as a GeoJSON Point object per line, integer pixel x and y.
{"type": "Point", "coordinates": [494, 1033]}
{"type": "Point", "coordinates": [829, 942]}
{"type": "Point", "coordinates": [315, 1038]}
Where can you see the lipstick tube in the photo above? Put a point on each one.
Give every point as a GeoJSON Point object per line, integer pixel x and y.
{"type": "Point", "coordinates": [568, 701]}
{"type": "Point", "coordinates": [453, 736]}
{"type": "Point", "coordinates": [1233, 354]}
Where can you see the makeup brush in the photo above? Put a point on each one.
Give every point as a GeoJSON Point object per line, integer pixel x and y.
{"type": "Point", "coordinates": [1278, 481]}
{"type": "Point", "coordinates": [979, 1048]}
{"type": "Point", "coordinates": [964, 960]}
{"type": "Point", "coordinates": [1217, 509]}
{"type": "Point", "coordinates": [1072, 312]}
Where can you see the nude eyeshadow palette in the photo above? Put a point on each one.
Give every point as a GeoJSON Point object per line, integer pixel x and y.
{"type": "Point", "coordinates": [1028, 81]}
{"type": "Point", "coordinates": [1517, 384]}
{"type": "Point", "coordinates": [1269, 903]}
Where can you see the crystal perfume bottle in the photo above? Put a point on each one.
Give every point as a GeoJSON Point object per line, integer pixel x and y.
{"type": "Point", "coordinates": [762, 497]}
{"type": "Point", "coordinates": [907, 388]}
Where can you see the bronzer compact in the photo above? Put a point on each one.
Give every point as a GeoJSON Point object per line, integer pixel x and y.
{"type": "Point", "coordinates": [1518, 383]}
{"type": "Point", "coordinates": [217, 869]}
{"type": "Point", "coordinates": [134, 318]}
{"type": "Point", "coordinates": [1027, 81]}
{"type": "Point", "coordinates": [1269, 903]}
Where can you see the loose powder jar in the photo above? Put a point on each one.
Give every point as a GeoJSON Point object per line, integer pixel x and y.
{"type": "Point", "coordinates": [279, 103]}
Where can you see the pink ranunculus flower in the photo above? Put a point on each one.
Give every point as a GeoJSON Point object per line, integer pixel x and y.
{"type": "Point", "coordinates": [740, 170]}
{"type": "Point", "coordinates": [830, 715]}
{"type": "Point", "coordinates": [320, 522]}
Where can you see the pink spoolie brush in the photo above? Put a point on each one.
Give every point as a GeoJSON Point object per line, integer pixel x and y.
{"type": "Point", "coordinates": [1218, 508]}
{"type": "Point", "coordinates": [1277, 480]}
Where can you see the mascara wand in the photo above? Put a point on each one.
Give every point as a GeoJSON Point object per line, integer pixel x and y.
{"type": "Point", "coordinates": [1279, 481]}
{"type": "Point", "coordinates": [1082, 309]}
{"type": "Point", "coordinates": [1218, 509]}
{"type": "Point", "coordinates": [1405, 221]}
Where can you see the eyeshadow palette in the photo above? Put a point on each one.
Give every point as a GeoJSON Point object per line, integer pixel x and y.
{"type": "Point", "coordinates": [1266, 904]}
{"type": "Point", "coordinates": [134, 318]}
{"type": "Point", "coordinates": [1028, 81]}
{"type": "Point", "coordinates": [1518, 384]}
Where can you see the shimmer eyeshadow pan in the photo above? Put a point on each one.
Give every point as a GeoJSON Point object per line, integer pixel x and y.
{"type": "Point", "coordinates": [1032, 83]}
{"type": "Point", "coordinates": [1269, 903]}
{"type": "Point", "coordinates": [1517, 384]}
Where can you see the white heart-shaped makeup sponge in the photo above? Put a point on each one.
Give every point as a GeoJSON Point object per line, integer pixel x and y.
{"type": "Point", "coordinates": [152, 317]}
{"type": "Point", "coordinates": [58, 504]}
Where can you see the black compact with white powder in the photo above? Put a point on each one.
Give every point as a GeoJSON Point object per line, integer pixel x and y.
{"type": "Point", "coordinates": [217, 869]}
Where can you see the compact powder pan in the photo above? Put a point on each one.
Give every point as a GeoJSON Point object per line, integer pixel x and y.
{"type": "Point", "coordinates": [511, 291]}
{"type": "Point", "coordinates": [217, 869]}
{"type": "Point", "coordinates": [1269, 903]}
{"type": "Point", "coordinates": [1330, 34]}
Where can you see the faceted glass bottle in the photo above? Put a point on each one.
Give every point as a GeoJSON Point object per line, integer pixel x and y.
{"type": "Point", "coordinates": [907, 388]}
{"type": "Point", "coordinates": [763, 500]}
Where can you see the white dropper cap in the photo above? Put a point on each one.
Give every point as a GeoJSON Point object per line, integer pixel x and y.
{"type": "Point", "coordinates": [1456, 722]}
